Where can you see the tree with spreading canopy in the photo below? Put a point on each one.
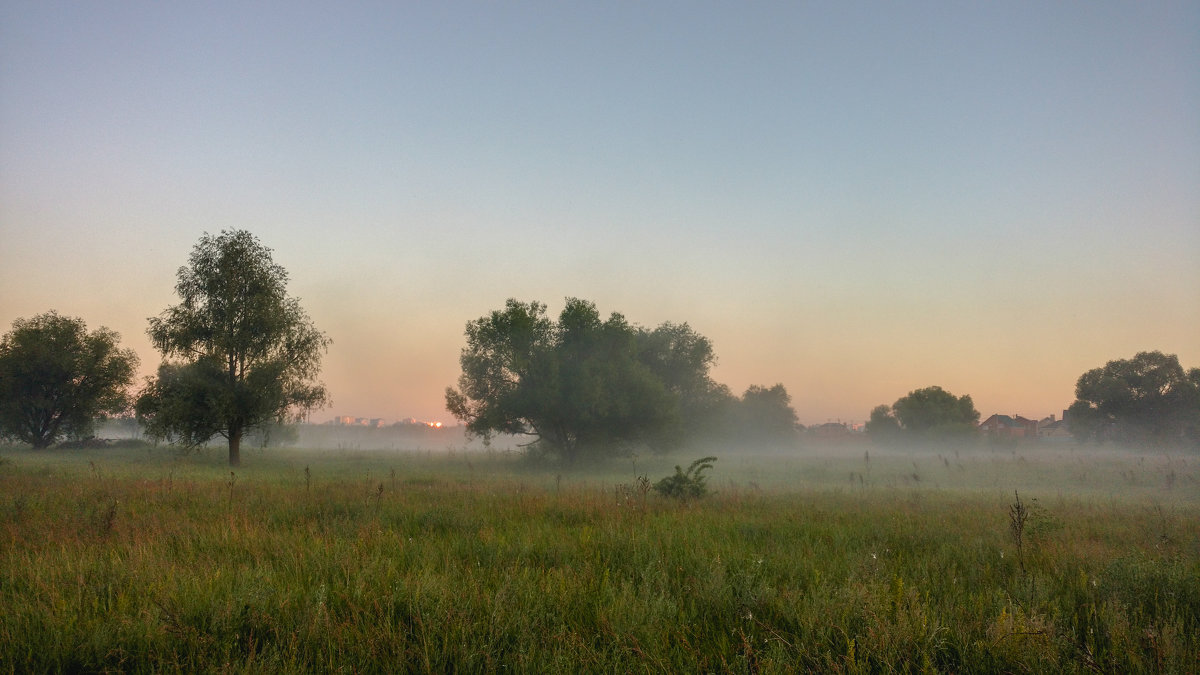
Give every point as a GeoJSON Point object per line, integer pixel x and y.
{"type": "Point", "coordinates": [588, 387]}
{"type": "Point", "coordinates": [925, 414]}
{"type": "Point", "coordinates": [1149, 398]}
{"type": "Point", "coordinates": [239, 353]}
{"type": "Point", "coordinates": [582, 386]}
{"type": "Point", "coordinates": [56, 378]}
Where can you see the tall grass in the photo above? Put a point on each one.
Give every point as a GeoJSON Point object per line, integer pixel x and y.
{"type": "Point", "coordinates": [386, 563]}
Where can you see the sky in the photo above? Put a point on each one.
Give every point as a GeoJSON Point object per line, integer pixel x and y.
{"type": "Point", "coordinates": [853, 199]}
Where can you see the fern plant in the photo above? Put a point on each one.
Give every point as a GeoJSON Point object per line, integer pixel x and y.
{"type": "Point", "coordinates": [688, 484]}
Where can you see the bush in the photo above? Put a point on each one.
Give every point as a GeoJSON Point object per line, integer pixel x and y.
{"type": "Point", "coordinates": [686, 484]}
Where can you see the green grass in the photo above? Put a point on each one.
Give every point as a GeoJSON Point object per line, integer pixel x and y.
{"type": "Point", "coordinates": [392, 561]}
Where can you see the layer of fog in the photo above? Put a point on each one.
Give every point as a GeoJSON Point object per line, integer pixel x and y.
{"type": "Point", "coordinates": [1045, 467]}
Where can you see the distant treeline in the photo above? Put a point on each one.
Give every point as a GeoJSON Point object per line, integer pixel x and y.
{"type": "Point", "coordinates": [241, 358]}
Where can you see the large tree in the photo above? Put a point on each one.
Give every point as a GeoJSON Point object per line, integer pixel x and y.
{"type": "Point", "coordinates": [239, 353]}
{"type": "Point", "coordinates": [1148, 398]}
{"type": "Point", "coordinates": [931, 413]}
{"type": "Point", "coordinates": [56, 378]}
{"type": "Point", "coordinates": [579, 387]}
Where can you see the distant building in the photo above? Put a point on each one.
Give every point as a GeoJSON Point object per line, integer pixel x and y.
{"type": "Point", "coordinates": [380, 422]}
{"type": "Point", "coordinates": [1052, 428]}
{"type": "Point", "coordinates": [352, 421]}
{"type": "Point", "coordinates": [1009, 426]}
{"type": "Point", "coordinates": [831, 430]}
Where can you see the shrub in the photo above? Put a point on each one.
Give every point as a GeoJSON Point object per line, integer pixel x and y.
{"type": "Point", "coordinates": [686, 484]}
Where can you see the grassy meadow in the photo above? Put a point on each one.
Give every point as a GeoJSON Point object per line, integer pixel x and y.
{"type": "Point", "coordinates": [845, 559]}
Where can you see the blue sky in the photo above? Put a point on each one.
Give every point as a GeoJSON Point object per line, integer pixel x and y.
{"type": "Point", "coordinates": [853, 199]}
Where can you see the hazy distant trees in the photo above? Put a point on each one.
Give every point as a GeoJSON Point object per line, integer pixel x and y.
{"type": "Point", "coordinates": [764, 416]}
{"type": "Point", "coordinates": [56, 378]}
{"type": "Point", "coordinates": [1148, 398]}
{"type": "Point", "coordinates": [883, 425]}
{"type": "Point", "coordinates": [584, 386]}
{"type": "Point", "coordinates": [238, 352]}
{"type": "Point", "coordinates": [925, 414]}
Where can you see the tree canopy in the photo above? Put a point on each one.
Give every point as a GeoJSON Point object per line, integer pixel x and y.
{"type": "Point", "coordinates": [1148, 398]}
{"type": "Point", "coordinates": [56, 378]}
{"type": "Point", "coordinates": [239, 353]}
{"type": "Point", "coordinates": [924, 414]}
{"type": "Point", "coordinates": [764, 416]}
{"type": "Point", "coordinates": [576, 386]}
{"type": "Point", "coordinates": [882, 424]}
{"type": "Point", "coordinates": [681, 359]}
{"type": "Point", "coordinates": [584, 386]}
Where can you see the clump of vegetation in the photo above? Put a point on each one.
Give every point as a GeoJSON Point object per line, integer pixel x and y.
{"type": "Point", "coordinates": [88, 443]}
{"type": "Point", "coordinates": [925, 415]}
{"type": "Point", "coordinates": [57, 378]}
{"type": "Point", "coordinates": [632, 494]}
{"type": "Point", "coordinates": [1018, 514]}
{"type": "Point", "coordinates": [1147, 399]}
{"type": "Point", "coordinates": [686, 484]}
{"type": "Point", "coordinates": [93, 443]}
{"type": "Point", "coordinates": [585, 388]}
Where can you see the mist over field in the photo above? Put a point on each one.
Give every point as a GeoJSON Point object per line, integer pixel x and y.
{"type": "Point", "coordinates": [1045, 468]}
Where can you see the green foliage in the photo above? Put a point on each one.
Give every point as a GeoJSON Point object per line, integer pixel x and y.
{"type": "Point", "coordinates": [584, 387]}
{"type": "Point", "coordinates": [1018, 515]}
{"type": "Point", "coordinates": [1149, 398]}
{"type": "Point", "coordinates": [274, 435]}
{"type": "Point", "coordinates": [681, 359]}
{"type": "Point", "coordinates": [933, 408]}
{"type": "Point", "coordinates": [183, 402]}
{"type": "Point", "coordinates": [688, 484]}
{"type": "Point", "coordinates": [929, 414]}
{"type": "Point", "coordinates": [238, 352]}
{"type": "Point", "coordinates": [56, 378]}
{"type": "Point", "coordinates": [765, 415]}
{"type": "Point", "coordinates": [581, 386]}
{"type": "Point", "coordinates": [883, 425]}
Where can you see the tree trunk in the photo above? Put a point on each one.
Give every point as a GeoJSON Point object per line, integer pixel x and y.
{"type": "Point", "coordinates": [235, 447]}
{"type": "Point", "coordinates": [42, 433]}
